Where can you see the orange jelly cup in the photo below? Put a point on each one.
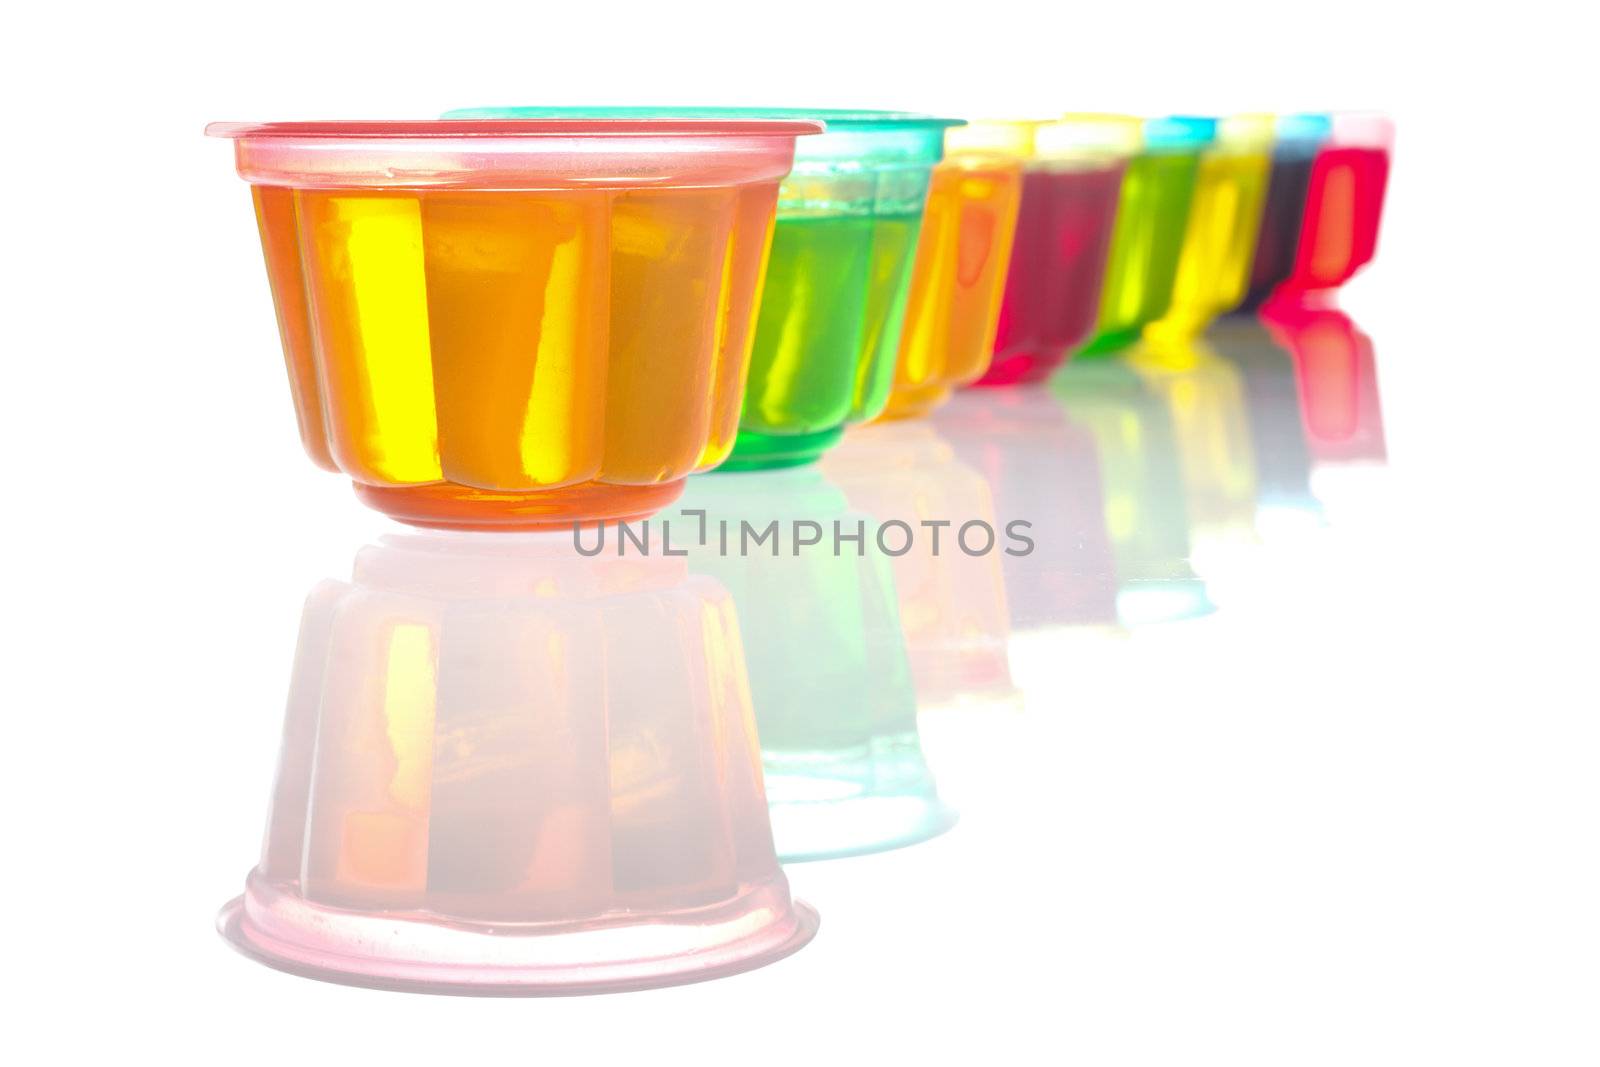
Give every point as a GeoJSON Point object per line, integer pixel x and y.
{"type": "Point", "coordinates": [511, 324]}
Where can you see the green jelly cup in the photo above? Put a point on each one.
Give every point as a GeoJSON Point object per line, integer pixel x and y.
{"type": "Point", "coordinates": [1152, 215]}
{"type": "Point", "coordinates": [838, 271]}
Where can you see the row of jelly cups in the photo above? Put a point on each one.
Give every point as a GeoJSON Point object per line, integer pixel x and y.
{"type": "Point", "coordinates": [524, 317]}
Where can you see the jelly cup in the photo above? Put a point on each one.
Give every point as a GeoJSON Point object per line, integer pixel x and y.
{"type": "Point", "coordinates": [1219, 241]}
{"type": "Point", "coordinates": [837, 278]}
{"type": "Point", "coordinates": [1152, 218]}
{"type": "Point", "coordinates": [503, 324]}
{"type": "Point", "coordinates": [1072, 179]}
{"type": "Point", "coordinates": [959, 276]}
{"type": "Point", "coordinates": [1297, 140]}
{"type": "Point", "coordinates": [510, 770]}
{"type": "Point", "coordinates": [829, 676]}
{"type": "Point", "coordinates": [1344, 204]}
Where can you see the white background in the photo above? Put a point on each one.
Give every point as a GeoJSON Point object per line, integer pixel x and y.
{"type": "Point", "coordinates": [1246, 856]}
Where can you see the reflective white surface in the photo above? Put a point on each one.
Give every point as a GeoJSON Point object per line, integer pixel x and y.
{"type": "Point", "coordinates": [1265, 730]}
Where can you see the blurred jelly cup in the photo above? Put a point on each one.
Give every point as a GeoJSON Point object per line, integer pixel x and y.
{"type": "Point", "coordinates": [1152, 218]}
{"type": "Point", "coordinates": [500, 324]}
{"type": "Point", "coordinates": [1224, 219]}
{"type": "Point", "coordinates": [509, 769]}
{"type": "Point", "coordinates": [960, 271]}
{"type": "Point", "coordinates": [838, 276]}
{"type": "Point", "coordinates": [1072, 177]}
{"type": "Point", "coordinates": [1344, 203]}
{"type": "Point", "coordinates": [1297, 140]}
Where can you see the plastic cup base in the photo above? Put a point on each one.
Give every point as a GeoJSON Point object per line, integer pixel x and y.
{"type": "Point", "coordinates": [1021, 367]}
{"type": "Point", "coordinates": [527, 978]}
{"type": "Point", "coordinates": [860, 826]}
{"type": "Point", "coordinates": [914, 402]}
{"type": "Point", "coordinates": [447, 506]}
{"type": "Point", "coordinates": [1164, 600]}
{"type": "Point", "coordinates": [761, 451]}
{"type": "Point", "coordinates": [1112, 342]}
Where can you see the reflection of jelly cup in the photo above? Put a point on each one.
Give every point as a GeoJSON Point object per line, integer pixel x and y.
{"type": "Point", "coordinates": [1277, 430]}
{"type": "Point", "coordinates": [1152, 217]}
{"type": "Point", "coordinates": [1071, 181]}
{"type": "Point", "coordinates": [510, 770]}
{"type": "Point", "coordinates": [1337, 371]}
{"type": "Point", "coordinates": [1344, 203]}
{"type": "Point", "coordinates": [1042, 471]}
{"type": "Point", "coordinates": [1219, 240]}
{"type": "Point", "coordinates": [1146, 507]}
{"type": "Point", "coordinates": [1297, 139]}
{"type": "Point", "coordinates": [829, 677]}
{"type": "Point", "coordinates": [837, 277]}
{"type": "Point", "coordinates": [514, 324]}
{"type": "Point", "coordinates": [959, 276]}
{"type": "Point", "coordinates": [1205, 400]}
{"type": "Point", "coordinates": [951, 595]}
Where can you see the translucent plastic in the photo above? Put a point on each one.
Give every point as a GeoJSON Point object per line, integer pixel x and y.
{"type": "Point", "coordinates": [1219, 241]}
{"type": "Point", "coordinates": [829, 677]}
{"type": "Point", "coordinates": [1344, 204]}
{"type": "Point", "coordinates": [1298, 139]}
{"type": "Point", "coordinates": [959, 276]}
{"type": "Point", "coordinates": [838, 277]}
{"type": "Point", "coordinates": [1071, 182]}
{"type": "Point", "coordinates": [1152, 218]}
{"type": "Point", "coordinates": [516, 324]}
{"type": "Point", "coordinates": [507, 769]}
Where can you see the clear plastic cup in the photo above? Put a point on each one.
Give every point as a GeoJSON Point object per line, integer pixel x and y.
{"type": "Point", "coordinates": [838, 276]}
{"type": "Point", "coordinates": [507, 769]}
{"type": "Point", "coordinates": [515, 324]}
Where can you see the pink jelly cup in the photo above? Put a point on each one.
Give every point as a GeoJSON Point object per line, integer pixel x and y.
{"type": "Point", "coordinates": [510, 770]}
{"type": "Point", "coordinates": [515, 324]}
